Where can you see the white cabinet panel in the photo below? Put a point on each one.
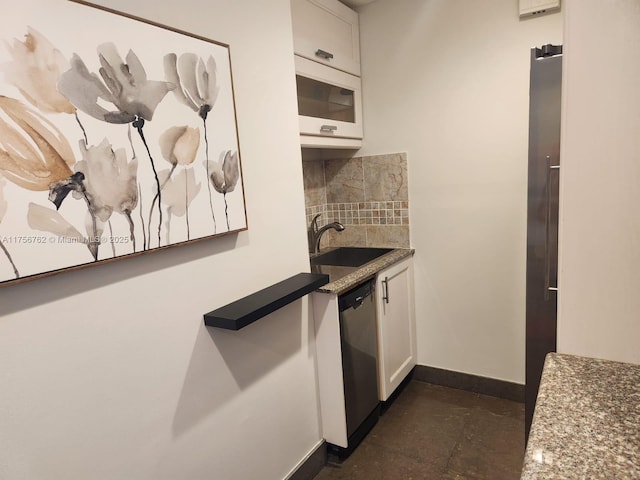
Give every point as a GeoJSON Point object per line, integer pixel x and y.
{"type": "Point", "coordinates": [329, 101]}
{"type": "Point", "coordinates": [326, 31]}
{"type": "Point", "coordinates": [396, 326]}
{"type": "Point", "coordinates": [330, 379]}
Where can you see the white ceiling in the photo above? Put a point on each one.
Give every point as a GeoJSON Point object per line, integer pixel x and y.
{"type": "Point", "coordinates": [356, 3]}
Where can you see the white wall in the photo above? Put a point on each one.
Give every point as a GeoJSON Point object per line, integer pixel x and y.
{"type": "Point", "coordinates": [108, 373]}
{"type": "Point", "coordinates": [599, 304]}
{"type": "Point", "coordinates": [447, 81]}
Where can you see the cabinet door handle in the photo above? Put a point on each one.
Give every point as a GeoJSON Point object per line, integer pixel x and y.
{"type": "Point", "coordinates": [323, 54]}
{"type": "Point", "coordinates": [385, 289]}
{"type": "Point", "coordinates": [328, 129]}
{"type": "Point", "coordinates": [547, 220]}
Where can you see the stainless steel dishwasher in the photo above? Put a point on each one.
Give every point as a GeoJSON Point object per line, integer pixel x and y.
{"type": "Point", "coordinates": [358, 339]}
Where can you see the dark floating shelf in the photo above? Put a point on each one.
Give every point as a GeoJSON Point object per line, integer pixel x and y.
{"type": "Point", "coordinates": [253, 307]}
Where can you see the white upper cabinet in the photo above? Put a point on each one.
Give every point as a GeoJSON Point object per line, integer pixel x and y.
{"type": "Point", "coordinates": [329, 105]}
{"type": "Point", "coordinates": [326, 31]}
{"type": "Point", "coordinates": [327, 54]}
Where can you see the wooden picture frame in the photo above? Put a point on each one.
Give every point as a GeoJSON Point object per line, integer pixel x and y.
{"type": "Point", "coordinates": [118, 137]}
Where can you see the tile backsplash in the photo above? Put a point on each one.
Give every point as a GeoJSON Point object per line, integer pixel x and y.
{"type": "Point", "coordinates": [368, 195]}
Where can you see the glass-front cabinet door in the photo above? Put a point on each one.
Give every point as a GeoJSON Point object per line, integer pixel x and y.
{"type": "Point", "coordinates": [329, 101]}
{"type": "Point", "coordinates": [323, 100]}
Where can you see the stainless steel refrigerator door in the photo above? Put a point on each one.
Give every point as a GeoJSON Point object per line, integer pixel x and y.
{"type": "Point", "coordinates": [542, 220]}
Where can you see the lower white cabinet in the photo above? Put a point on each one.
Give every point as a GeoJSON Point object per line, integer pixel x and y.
{"type": "Point", "coordinates": [396, 326]}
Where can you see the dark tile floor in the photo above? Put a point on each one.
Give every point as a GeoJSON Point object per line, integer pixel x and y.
{"type": "Point", "coordinates": [432, 432]}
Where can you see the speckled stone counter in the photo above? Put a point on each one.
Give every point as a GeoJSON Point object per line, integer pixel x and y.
{"type": "Point", "coordinates": [354, 276]}
{"type": "Point", "coordinates": [586, 423]}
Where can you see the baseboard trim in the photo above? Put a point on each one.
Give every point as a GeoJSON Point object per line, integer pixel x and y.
{"type": "Point", "coordinates": [338, 454]}
{"type": "Point", "coordinates": [310, 466]}
{"type": "Point", "coordinates": [468, 382]}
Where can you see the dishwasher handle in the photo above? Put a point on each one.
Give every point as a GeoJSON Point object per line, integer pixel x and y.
{"type": "Point", "coordinates": [356, 296]}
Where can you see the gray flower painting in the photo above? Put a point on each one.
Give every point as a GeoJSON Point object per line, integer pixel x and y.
{"type": "Point", "coordinates": [224, 177]}
{"type": "Point", "coordinates": [105, 145]}
{"type": "Point", "coordinates": [111, 182]}
{"type": "Point", "coordinates": [124, 86]}
{"type": "Point", "coordinates": [198, 90]}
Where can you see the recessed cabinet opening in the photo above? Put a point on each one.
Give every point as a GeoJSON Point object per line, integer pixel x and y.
{"type": "Point", "coordinates": [322, 100]}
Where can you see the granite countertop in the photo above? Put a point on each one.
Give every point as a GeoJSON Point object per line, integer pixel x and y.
{"type": "Point", "coordinates": [348, 277]}
{"type": "Point", "coordinates": [586, 423]}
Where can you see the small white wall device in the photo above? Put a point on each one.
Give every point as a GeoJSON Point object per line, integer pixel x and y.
{"type": "Point", "coordinates": [530, 8]}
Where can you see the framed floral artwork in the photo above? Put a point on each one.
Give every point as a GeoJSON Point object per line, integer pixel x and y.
{"type": "Point", "coordinates": [117, 137]}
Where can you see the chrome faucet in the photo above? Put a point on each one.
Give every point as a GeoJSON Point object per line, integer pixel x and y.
{"type": "Point", "coordinates": [315, 233]}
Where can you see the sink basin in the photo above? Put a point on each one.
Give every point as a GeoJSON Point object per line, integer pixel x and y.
{"type": "Point", "coordinates": [349, 256]}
